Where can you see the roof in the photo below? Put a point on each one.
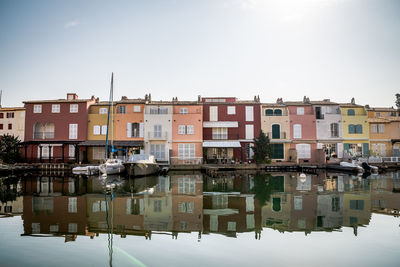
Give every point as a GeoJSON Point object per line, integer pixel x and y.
{"type": "Point", "coordinates": [12, 109]}
{"type": "Point", "coordinates": [382, 109]}
{"type": "Point", "coordinates": [323, 102]}
{"type": "Point", "coordinates": [296, 103]}
{"type": "Point", "coordinates": [273, 105]}
{"type": "Point", "coordinates": [350, 105]}
{"type": "Point", "coordinates": [58, 101]}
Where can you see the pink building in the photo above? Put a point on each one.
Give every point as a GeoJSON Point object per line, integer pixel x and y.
{"type": "Point", "coordinates": [187, 132]}
{"type": "Point", "coordinates": [303, 130]}
{"type": "Point", "coordinates": [54, 128]}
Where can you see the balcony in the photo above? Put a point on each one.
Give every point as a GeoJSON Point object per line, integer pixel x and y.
{"type": "Point", "coordinates": [229, 136]}
{"type": "Point", "coordinates": [278, 135]}
{"type": "Point", "coordinates": [157, 135]}
{"type": "Point", "coordinates": [43, 135]}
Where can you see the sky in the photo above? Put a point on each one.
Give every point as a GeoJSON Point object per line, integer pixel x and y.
{"type": "Point", "coordinates": [322, 49]}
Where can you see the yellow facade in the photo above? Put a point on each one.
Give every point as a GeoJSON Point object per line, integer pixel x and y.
{"type": "Point", "coordinates": [355, 129]}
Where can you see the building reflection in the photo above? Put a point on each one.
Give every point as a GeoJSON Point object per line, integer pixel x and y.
{"type": "Point", "coordinates": [229, 205]}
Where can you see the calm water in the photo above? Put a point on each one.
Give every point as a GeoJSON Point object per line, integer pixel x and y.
{"type": "Point", "coordinates": [188, 219]}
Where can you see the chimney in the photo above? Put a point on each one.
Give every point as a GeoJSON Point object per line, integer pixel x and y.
{"type": "Point", "coordinates": [97, 100]}
{"type": "Point", "coordinates": [149, 98]}
{"type": "Point", "coordinates": [124, 98]}
{"type": "Point", "coordinates": [366, 106]}
{"type": "Point", "coordinates": [327, 100]}
{"type": "Point", "coordinates": [72, 96]}
{"type": "Point", "coordinates": [353, 101]}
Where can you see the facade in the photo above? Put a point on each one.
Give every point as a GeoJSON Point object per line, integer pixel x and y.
{"type": "Point", "coordinates": [158, 130]}
{"type": "Point", "coordinates": [384, 131]}
{"type": "Point", "coordinates": [303, 130]}
{"type": "Point", "coordinates": [54, 129]}
{"type": "Point", "coordinates": [12, 122]}
{"type": "Point", "coordinates": [275, 123]}
{"type": "Point", "coordinates": [329, 127]}
{"type": "Point", "coordinates": [355, 130]}
{"type": "Point", "coordinates": [229, 128]}
{"type": "Point", "coordinates": [187, 133]}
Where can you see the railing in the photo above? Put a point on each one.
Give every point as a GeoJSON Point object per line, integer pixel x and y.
{"type": "Point", "coordinates": [371, 159]}
{"type": "Point", "coordinates": [43, 135]}
{"type": "Point", "coordinates": [157, 135]}
{"type": "Point", "coordinates": [320, 116]}
{"type": "Point", "coordinates": [195, 160]}
{"type": "Point", "coordinates": [282, 135]}
{"type": "Point", "coordinates": [391, 159]}
{"type": "Point", "coordinates": [219, 136]}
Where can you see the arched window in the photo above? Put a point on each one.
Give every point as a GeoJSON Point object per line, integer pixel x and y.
{"type": "Point", "coordinates": [38, 131]}
{"type": "Point", "coordinates": [49, 130]}
{"type": "Point", "coordinates": [278, 112]}
{"type": "Point", "coordinates": [269, 112]}
{"type": "Point", "coordinates": [359, 128]}
{"type": "Point", "coordinates": [352, 128]}
{"type": "Point", "coordinates": [276, 131]}
{"type": "Point", "coordinates": [276, 204]}
{"type": "Point", "coordinates": [351, 112]}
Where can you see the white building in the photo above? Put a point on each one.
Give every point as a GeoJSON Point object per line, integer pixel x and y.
{"type": "Point", "coordinates": [329, 127]}
{"type": "Point", "coordinates": [158, 130]}
{"type": "Point", "coordinates": [12, 122]}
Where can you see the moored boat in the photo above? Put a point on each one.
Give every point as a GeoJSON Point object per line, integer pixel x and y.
{"type": "Point", "coordinates": [141, 165]}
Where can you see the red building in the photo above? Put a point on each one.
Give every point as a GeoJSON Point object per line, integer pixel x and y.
{"type": "Point", "coordinates": [229, 128]}
{"type": "Point", "coordinates": [54, 128]}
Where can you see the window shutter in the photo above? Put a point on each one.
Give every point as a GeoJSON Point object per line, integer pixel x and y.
{"type": "Point", "coordinates": [351, 128]}
{"type": "Point", "coordinates": [297, 131]}
{"type": "Point", "coordinates": [339, 148]}
{"type": "Point", "coordinates": [129, 129]}
{"type": "Point", "coordinates": [346, 147]}
{"type": "Point", "coordinates": [249, 113]}
{"type": "Point", "coordinates": [366, 149]}
{"type": "Point", "coordinates": [141, 128]}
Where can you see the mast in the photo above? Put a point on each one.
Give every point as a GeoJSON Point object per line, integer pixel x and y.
{"type": "Point", "coordinates": [108, 116]}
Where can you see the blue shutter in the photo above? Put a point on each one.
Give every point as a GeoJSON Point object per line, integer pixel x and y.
{"type": "Point", "coordinates": [351, 128]}
{"type": "Point", "coordinates": [346, 147]}
{"type": "Point", "coordinates": [359, 128]}
{"type": "Point", "coordinates": [366, 149]}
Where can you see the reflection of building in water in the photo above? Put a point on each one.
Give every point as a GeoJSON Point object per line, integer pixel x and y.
{"type": "Point", "coordinates": [385, 195]}
{"type": "Point", "coordinates": [330, 210]}
{"type": "Point", "coordinates": [357, 209]}
{"type": "Point", "coordinates": [10, 196]}
{"type": "Point", "coordinates": [53, 206]}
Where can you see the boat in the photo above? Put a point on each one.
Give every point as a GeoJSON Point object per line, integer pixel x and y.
{"type": "Point", "coordinates": [111, 165]}
{"type": "Point", "coordinates": [141, 165]}
{"type": "Point", "coordinates": [369, 168]}
{"type": "Point", "coordinates": [87, 170]}
{"type": "Point", "coordinates": [352, 166]}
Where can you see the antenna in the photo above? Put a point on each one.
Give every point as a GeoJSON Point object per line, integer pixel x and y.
{"type": "Point", "coordinates": [1, 92]}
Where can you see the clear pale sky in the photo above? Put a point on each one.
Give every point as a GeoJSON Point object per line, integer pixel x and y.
{"type": "Point", "coordinates": [335, 49]}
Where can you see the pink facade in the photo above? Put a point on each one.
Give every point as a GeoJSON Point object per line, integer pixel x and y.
{"type": "Point", "coordinates": [303, 132]}
{"type": "Point", "coordinates": [54, 128]}
{"type": "Point", "coordinates": [187, 133]}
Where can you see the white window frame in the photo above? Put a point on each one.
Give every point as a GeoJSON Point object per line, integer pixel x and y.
{"type": "Point", "coordinates": [55, 108]}
{"type": "Point", "coordinates": [158, 151]}
{"type": "Point", "coordinates": [231, 110]}
{"type": "Point", "coordinates": [189, 129]}
{"type": "Point", "coordinates": [73, 108]}
{"type": "Point", "coordinates": [73, 131]}
{"type": "Point", "coordinates": [300, 111]}
{"type": "Point", "coordinates": [249, 131]}
{"type": "Point", "coordinates": [213, 113]}
{"type": "Point", "coordinates": [303, 151]}
{"type": "Point", "coordinates": [103, 110]}
{"type": "Point", "coordinates": [381, 128]}
{"type": "Point", "coordinates": [72, 205]}
{"type": "Point", "coordinates": [96, 130]}
{"type": "Point", "coordinates": [186, 151]}
{"type": "Point", "coordinates": [71, 151]}
{"type": "Point", "coordinates": [37, 108]}
{"type": "Point", "coordinates": [136, 108]}
{"type": "Point", "coordinates": [297, 131]}
{"type": "Point", "coordinates": [103, 129]}
{"type": "Point", "coordinates": [181, 129]}
{"type": "Point", "coordinates": [249, 113]}
{"type": "Point", "coordinates": [157, 130]}
{"type": "Point", "coordinates": [183, 110]}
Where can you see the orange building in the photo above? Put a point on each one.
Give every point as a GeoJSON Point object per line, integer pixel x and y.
{"type": "Point", "coordinates": [380, 122]}
{"type": "Point", "coordinates": [187, 132]}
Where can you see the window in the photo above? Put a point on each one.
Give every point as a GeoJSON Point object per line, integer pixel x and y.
{"type": "Point", "coordinates": [298, 202]}
{"type": "Point", "coordinates": [96, 130]}
{"type": "Point", "coordinates": [219, 133]}
{"type": "Point", "coordinates": [269, 112]}
{"type": "Point", "coordinates": [186, 151]}
{"type": "Point", "coordinates": [335, 204]}
{"type": "Point", "coordinates": [358, 129]}
{"type": "Point", "coordinates": [231, 110]}
{"type": "Point", "coordinates": [352, 129]}
{"type": "Point", "coordinates": [35, 228]}
{"type": "Point", "coordinates": [71, 151]}
{"type": "Point", "coordinates": [98, 153]}
{"type": "Point", "coordinates": [153, 110]}
{"type": "Point", "coordinates": [1, 126]}
{"type": "Point", "coordinates": [136, 108]}
{"type": "Point", "coordinates": [9, 126]}
{"type": "Point", "coordinates": [297, 131]}
{"type": "Point", "coordinates": [72, 207]}
{"type": "Point", "coordinates": [250, 132]}
{"type": "Point", "coordinates": [300, 111]}
{"type": "Point", "coordinates": [334, 130]}
{"type": "Point", "coordinates": [186, 185]}
{"type": "Point", "coordinates": [122, 109]}
{"type": "Point", "coordinates": [73, 131]}
{"type": "Point", "coordinates": [213, 113]}
{"type": "Point", "coordinates": [381, 128]}
{"type": "Point", "coordinates": [163, 110]}
{"type": "Point", "coordinates": [157, 205]}
{"type": "Point", "coordinates": [73, 108]}
{"type": "Point", "coordinates": [357, 204]}
{"type": "Point", "coordinates": [54, 228]}
{"type": "Point", "coordinates": [181, 129]}
{"type": "Point", "coordinates": [157, 131]}
{"type": "Point", "coordinates": [99, 206]}
{"type": "Point", "coordinates": [303, 151]}
{"type": "Point", "coordinates": [1, 115]}
{"type": "Point", "coordinates": [158, 151]}
{"type": "Point", "coordinates": [277, 112]}
{"type": "Point", "coordinates": [104, 129]}
{"type": "Point", "coordinates": [277, 151]}
{"type": "Point", "coordinates": [55, 108]}
{"type": "Point", "coordinates": [37, 108]}
{"type": "Point", "coordinates": [186, 207]}
{"type": "Point", "coordinates": [249, 113]}
{"type": "Point", "coordinates": [276, 131]}
{"type": "Point", "coordinates": [72, 228]}
{"type": "Point", "coordinates": [377, 114]}
{"type": "Point", "coordinates": [189, 129]}
{"type": "Point", "coordinates": [134, 129]}
{"type": "Point", "coordinates": [10, 115]}
{"type": "Point", "coordinates": [183, 111]}
{"type": "Point", "coordinates": [103, 110]}
{"type": "Point", "coordinates": [351, 112]}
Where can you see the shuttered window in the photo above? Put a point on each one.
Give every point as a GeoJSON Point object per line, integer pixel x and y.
{"type": "Point", "coordinates": [277, 151]}
{"type": "Point", "coordinates": [213, 113]}
{"type": "Point", "coordinates": [249, 113]}
{"type": "Point", "coordinates": [276, 131]}
{"type": "Point", "coordinates": [73, 131]}
{"type": "Point", "coordinates": [186, 151]}
{"type": "Point", "coordinates": [96, 129]}
{"type": "Point", "coordinates": [250, 131]}
{"type": "Point", "coordinates": [303, 151]}
{"type": "Point", "coordinates": [297, 131]}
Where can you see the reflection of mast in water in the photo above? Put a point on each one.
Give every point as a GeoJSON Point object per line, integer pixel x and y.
{"type": "Point", "coordinates": [110, 230]}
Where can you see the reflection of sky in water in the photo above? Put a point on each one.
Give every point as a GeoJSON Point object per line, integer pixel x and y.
{"type": "Point", "coordinates": [320, 219]}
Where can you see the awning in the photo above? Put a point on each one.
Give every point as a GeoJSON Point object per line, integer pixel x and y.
{"type": "Point", "coordinates": [116, 143]}
{"type": "Point", "coordinates": [221, 144]}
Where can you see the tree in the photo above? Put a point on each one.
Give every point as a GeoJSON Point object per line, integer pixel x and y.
{"type": "Point", "coordinates": [398, 101]}
{"type": "Point", "coordinates": [9, 148]}
{"type": "Point", "coordinates": [262, 149]}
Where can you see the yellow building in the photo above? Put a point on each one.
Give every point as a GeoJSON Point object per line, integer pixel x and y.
{"type": "Point", "coordinates": [355, 129]}
{"type": "Point", "coordinates": [380, 130]}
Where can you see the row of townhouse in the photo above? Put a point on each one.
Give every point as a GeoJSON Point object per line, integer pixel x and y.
{"type": "Point", "coordinates": [211, 129]}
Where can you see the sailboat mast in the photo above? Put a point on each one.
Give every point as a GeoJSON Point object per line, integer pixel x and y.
{"type": "Point", "coordinates": [108, 116]}
{"type": "Point", "coordinates": [112, 114]}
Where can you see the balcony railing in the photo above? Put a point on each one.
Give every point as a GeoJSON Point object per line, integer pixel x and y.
{"type": "Point", "coordinates": [282, 135]}
{"type": "Point", "coordinates": [195, 160]}
{"type": "Point", "coordinates": [43, 135]}
{"type": "Point", "coordinates": [219, 136]}
{"type": "Point", "coordinates": [157, 135]}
